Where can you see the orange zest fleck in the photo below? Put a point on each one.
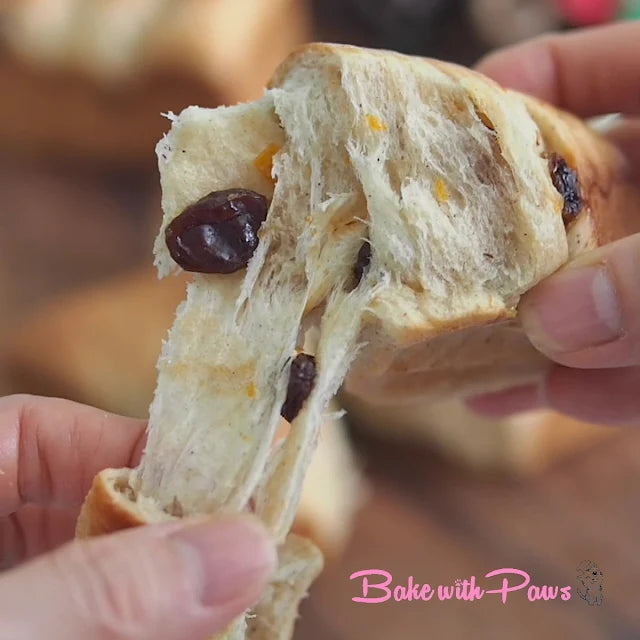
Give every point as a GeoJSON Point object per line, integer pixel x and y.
{"type": "Point", "coordinates": [264, 162]}
{"type": "Point", "coordinates": [442, 193]}
{"type": "Point", "coordinates": [559, 204]}
{"type": "Point", "coordinates": [375, 123]}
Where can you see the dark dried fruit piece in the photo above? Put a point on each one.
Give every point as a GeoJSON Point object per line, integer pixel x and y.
{"type": "Point", "coordinates": [566, 182]}
{"type": "Point", "coordinates": [218, 233]}
{"type": "Point", "coordinates": [362, 262]}
{"type": "Point", "coordinates": [302, 375]}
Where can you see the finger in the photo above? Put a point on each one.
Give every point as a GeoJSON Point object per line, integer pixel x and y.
{"type": "Point", "coordinates": [32, 530]}
{"type": "Point", "coordinates": [600, 396]}
{"type": "Point", "coordinates": [179, 581]}
{"type": "Point", "coordinates": [587, 315]}
{"type": "Point", "coordinates": [51, 449]}
{"type": "Point", "coordinates": [589, 72]}
{"type": "Point", "coordinates": [502, 404]}
{"type": "Point", "coordinates": [626, 136]}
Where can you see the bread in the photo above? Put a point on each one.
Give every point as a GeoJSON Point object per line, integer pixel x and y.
{"type": "Point", "coordinates": [496, 356]}
{"type": "Point", "coordinates": [111, 505]}
{"type": "Point", "coordinates": [99, 346]}
{"type": "Point", "coordinates": [520, 445]}
{"type": "Point", "coordinates": [442, 173]}
{"type": "Point", "coordinates": [90, 78]}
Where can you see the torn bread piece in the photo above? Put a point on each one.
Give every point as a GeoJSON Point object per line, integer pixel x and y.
{"type": "Point", "coordinates": [111, 505]}
{"type": "Point", "coordinates": [55, 352]}
{"type": "Point", "coordinates": [597, 197]}
{"type": "Point", "coordinates": [407, 200]}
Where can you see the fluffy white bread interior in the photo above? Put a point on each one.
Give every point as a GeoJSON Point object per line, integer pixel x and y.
{"type": "Point", "coordinates": [443, 175]}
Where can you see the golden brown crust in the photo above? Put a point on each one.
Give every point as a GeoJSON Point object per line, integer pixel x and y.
{"type": "Point", "coordinates": [106, 508]}
{"type": "Point", "coordinates": [608, 193]}
{"type": "Point", "coordinates": [303, 527]}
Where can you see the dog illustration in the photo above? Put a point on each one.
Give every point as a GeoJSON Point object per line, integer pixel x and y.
{"type": "Point", "coordinates": [590, 578]}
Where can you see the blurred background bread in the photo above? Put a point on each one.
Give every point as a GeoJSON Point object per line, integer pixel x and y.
{"type": "Point", "coordinates": [92, 78]}
{"type": "Point", "coordinates": [520, 445]}
{"type": "Point", "coordinates": [82, 314]}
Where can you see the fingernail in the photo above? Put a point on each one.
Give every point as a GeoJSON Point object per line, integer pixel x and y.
{"type": "Point", "coordinates": [573, 310]}
{"type": "Point", "coordinates": [229, 559]}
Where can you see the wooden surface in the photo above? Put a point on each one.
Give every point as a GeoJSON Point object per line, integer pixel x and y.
{"type": "Point", "coordinates": [64, 228]}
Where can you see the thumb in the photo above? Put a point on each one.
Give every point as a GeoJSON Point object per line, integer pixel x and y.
{"type": "Point", "coordinates": [174, 581]}
{"type": "Point", "coordinates": [587, 315]}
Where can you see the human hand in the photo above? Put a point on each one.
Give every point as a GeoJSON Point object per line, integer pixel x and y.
{"type": "Point", "coordinates": [585, 317]}
{"type": "Point", "coordinates": [179, 580]}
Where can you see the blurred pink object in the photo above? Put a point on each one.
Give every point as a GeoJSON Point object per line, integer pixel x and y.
{"type": "Point", "coordinates": [588, 12]}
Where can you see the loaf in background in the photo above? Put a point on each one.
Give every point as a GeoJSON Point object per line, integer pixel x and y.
{"type": "Point", "coordinates": [91, 79]}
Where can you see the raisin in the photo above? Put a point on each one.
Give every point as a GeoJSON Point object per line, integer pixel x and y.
{"type": "Point", "coordinates": [219, 232]}
{"type": "Point", "coordinates": [566, 182]}
{"type": "Point", "coordinates": [362, 262]}
{"type": "Point", "coordinates": [302, 375]}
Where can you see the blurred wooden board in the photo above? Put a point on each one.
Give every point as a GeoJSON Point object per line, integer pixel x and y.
{"type": "Point", "coordinates": [439, 523]}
